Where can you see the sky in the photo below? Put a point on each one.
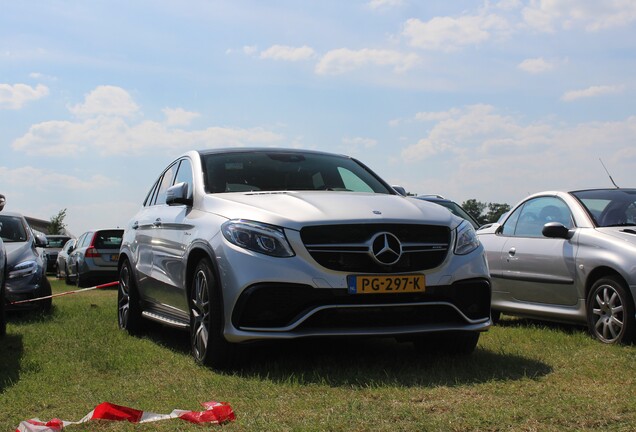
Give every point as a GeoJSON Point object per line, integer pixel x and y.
{"type": "Point", "coordinates": [487, 100]}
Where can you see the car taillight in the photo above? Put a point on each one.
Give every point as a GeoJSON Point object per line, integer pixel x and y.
{"type": "Point", "coordinates": [91, 252]}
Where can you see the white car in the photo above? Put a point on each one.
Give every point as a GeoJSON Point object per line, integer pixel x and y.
{"type": "Point", "coordinates": [243, 245]}
{"type": "Point", "coordinates": [568, 257]}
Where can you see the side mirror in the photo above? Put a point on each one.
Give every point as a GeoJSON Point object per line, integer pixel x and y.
{"type": "Point", "coordinates": [400, 190]}
{"type": "Point", "coordinates": [40, 241]}
{"type": "Point", "coordinates": [557, 230]}
{"type": "Point", "coordinates": [178, 194]}
{"type": "Point", "coordinates": [3, 201]}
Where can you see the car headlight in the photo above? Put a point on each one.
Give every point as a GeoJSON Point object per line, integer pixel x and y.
{"type": "Point", "coordinates": [257, 237]}
{"type": "Point", "coordinates": [25, 268]}
{"type": "Point", "coordinates": [466, 239]}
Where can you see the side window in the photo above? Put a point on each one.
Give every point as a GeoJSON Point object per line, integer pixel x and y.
{"type": "Point", "coordinates": [184, 175]}
{"type": "Point", "coordinates": [149, 198]}
{"type": "Point", "coordinates": [164, 184]}
{"type": "Point", "coordinates": [528, 220]}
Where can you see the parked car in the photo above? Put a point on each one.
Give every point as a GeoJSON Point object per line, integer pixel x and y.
{"type": "Point", "coordinates": [25, 267]}
{"type": "Point", "coordinates": [54, 243]}
{"type": "Point", "coordinates": [568, 257]}
{"type": "Point", "coordinates": [451, 205]}
{"type": "Point", "coordinates": [259, 244]}
{"type": "Point", "coordinates": [62, 260]}
{"type": "Point", "coordinates": [3, 266]}
{"type": "Point", "coordinates": [94, 258]}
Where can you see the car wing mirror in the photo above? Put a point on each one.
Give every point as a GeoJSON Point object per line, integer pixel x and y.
{"type": "Point", "coordinates": [557, 230]}
{"type": "Point", "coordinates": [400, 190]}
{"type": "Point", "coordinates": [3, 201]}
{"type": "Point", "coordinates": [179, 194]}
{"type": "Point", "coordinates": [40, 241]}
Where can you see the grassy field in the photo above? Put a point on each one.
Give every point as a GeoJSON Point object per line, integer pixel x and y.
{"type": "Point", "coordinates": [523, 376]}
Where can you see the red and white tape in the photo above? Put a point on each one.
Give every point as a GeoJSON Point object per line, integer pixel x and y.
{"type": "Point", "coordinates": [215, 412]}
{"type": "Point", "coordinates": [106, 285]}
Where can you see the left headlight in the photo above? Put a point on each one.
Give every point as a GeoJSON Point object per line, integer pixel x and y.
{"type": "Point", "coordinates": [257, 237]}
{"type": "Point", "coordinates": [466, 239]}
{"type": "Point", "coordinates": [25, 268]}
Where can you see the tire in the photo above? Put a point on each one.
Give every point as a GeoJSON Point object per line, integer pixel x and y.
{"type": "Point", "coordinates": [67, 279]}
{"type": "Point", "coordinates": [610, 312]}
{"type": "Point", "coordinates": [209, 346]}
{"type": "Point", "coordinates": [45, 290]}
{"type": "Point", "coordinates": [3, 317]}
{"type": "Point", "coordinates": [457, 343]}
{"type": "Point", "coordinates": [128, 305]}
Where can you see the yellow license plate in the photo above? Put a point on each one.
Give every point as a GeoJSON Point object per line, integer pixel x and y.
{"type": "Point", "coordinates": [384, 284]}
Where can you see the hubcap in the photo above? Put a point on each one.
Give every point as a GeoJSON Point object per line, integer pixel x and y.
{"type": "Point", "coordinates": [124, 297]}
{"type": "Point", "coordinates": [200, 315]}
{"type": "Point", "coordinates": [608, 314]}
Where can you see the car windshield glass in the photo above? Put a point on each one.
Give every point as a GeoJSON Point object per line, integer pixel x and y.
{"type": "Point", "coordinates": [12, 229]}
{"type": "Point", "coordinates": [283, 171]}
{"type": "Point", "coordinates": [610, 207]}
{"type": "Point", "coordinates": [56, 242]}
{"type": "Point", "coordinates": [108, 239]}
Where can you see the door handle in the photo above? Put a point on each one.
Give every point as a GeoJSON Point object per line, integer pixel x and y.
{"type": "Point", "coordinates": [512, 252]}
{"type": "Point", "coordinates": [157, 222]}
{"type": "Point", "coordinates": [135, 225]}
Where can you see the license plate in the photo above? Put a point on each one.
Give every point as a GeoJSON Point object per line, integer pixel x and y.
{"type": "Point", "coordinates": [384, 284]}
{"type": "Point", "coordinates": [114, 257]}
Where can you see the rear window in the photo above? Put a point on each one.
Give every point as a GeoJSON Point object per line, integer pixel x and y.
{"type": "Point", "coordinates": [56, 242]}
{"type": "Point", "coordinates": [110, 239]}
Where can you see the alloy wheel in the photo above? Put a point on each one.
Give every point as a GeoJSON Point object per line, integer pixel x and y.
{"type": "Point", "coordinates": [608, 315]}
{"type": "Point", "coordinates": [200, 312]}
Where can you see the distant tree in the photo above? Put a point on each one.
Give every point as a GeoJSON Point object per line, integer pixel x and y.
{"type": "Point", "coordinates": [475, 209]}
{"type": "Point", "coordinates": [495, 210]}
{"type": "Point", "coordinates": [492, 210]}
{"type": "Point", "coordinates": [57, 224]}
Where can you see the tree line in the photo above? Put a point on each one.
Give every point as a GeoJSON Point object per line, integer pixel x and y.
{"type": "Point", "coordinates": [485, 212]}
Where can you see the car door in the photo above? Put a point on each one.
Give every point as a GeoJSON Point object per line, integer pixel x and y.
{"type": "Point", "coordinates": [531, 267]}
{"type": "Point", "coordinates": [75, 257]}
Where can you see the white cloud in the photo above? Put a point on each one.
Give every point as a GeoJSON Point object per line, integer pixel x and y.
{"type": "Point", "coordinates": [117, 133]}
{"type": "Point", "coordinates": [380, 4]}
{"type": "Point", "coordinates": [250, 49]}
{"type": "Point", "coordinates": [449, 34]}
{"type": "Point", "coordinates": [15, 96]}
{"type": "Point", "coordinates": [287, 53]}
{"type": "Point", "coordinates": [37, 178]}
{"type": "Point", "coordinates": [592, 15]}
{"type": "Point", "coordinates": [591, 92]}
{"type": "Point", "coordinates": [344, 60]}
{"type": "Point", "coordinates": [107, 101]}
{"type": "Point", "coordinates": [179, 116]}
{"type": "Point", "coordinates": [535, 65]}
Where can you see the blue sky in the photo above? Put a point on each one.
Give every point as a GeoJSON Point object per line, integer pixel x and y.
{"type": "Point", "coordinates": [490, 100]}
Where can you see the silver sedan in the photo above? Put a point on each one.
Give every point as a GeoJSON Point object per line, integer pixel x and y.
{"type": "Point", "coordinates": [568, 257]}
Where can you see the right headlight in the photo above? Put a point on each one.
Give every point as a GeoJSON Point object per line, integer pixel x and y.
{"type": "Point", "coordinates": [466, 239]}
{"type": "Point", "coordinates": [257, 237]}
{"type": "Point", "coordinates": [25, 268]}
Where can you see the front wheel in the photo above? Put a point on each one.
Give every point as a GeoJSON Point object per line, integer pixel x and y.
{"type": "Point", "coordinates": [610, 312]}
{"type": "Point", "coordinates": [209, 346]}
{"type": "Point", "coordinates": [128, 306]}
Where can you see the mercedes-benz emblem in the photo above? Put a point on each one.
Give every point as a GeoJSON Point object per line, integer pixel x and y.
{"type": "Point", "coordinates": [386, 248]}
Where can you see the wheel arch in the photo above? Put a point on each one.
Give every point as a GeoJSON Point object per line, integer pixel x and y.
{"type": "Point", "coordinates": [196, 254]}
{"type": "Point", "coordinates": [601, 272]}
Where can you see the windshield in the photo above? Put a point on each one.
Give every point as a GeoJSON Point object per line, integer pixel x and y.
{"type": "Point", "coordinates": [12, 229]}
{"type": "Point", "coordinates": [282, 171]}
{"type": "Point", "coordinates": [610, 207]}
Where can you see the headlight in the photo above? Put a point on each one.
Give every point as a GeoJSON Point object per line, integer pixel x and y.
{"type": "Point", "coordinates": [25, 268]}
{"type": "Point", "coordinates": [257, 237]}
{"type": "Point", "coordinates": [466, 240]}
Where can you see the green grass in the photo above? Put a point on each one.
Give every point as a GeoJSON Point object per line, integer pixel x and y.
{"type": "Point", "coordinates": [523, 376]}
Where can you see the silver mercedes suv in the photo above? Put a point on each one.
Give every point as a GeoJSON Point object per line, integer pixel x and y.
{"type": "Point", "coordinates": [241, 245]}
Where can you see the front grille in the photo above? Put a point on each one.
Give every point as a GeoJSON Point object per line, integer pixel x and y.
{"type": "Point", "coordinates": [349, 247]}
{"type": "Point", "coordinates": [273, 305]}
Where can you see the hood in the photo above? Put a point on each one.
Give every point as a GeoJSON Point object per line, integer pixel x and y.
{"type": "Point", "coordinates": [627, 234]}
{"type": "Point", "coordinates": [296, 209]}
{"type": "Point", "coordinates": [19, 251]}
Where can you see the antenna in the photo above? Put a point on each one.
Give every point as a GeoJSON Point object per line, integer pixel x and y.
{"type": "Point", "coordinates": [608, 174]}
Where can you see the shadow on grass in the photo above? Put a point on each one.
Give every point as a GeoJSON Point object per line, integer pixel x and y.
{"type": "Point", "coordinates": [361, 362]}
{"type": "Point", "coordinates": [11, 350]}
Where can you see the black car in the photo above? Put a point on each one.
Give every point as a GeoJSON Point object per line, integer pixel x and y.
{"type": "Point", "coordinates": [54, 244]}
{"type": "Point", "coordinates": [25, 268]}
{"type": "Point", "coordinates": [454, 208]}
{"type": "Point", "coordinates": [3, 266]}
